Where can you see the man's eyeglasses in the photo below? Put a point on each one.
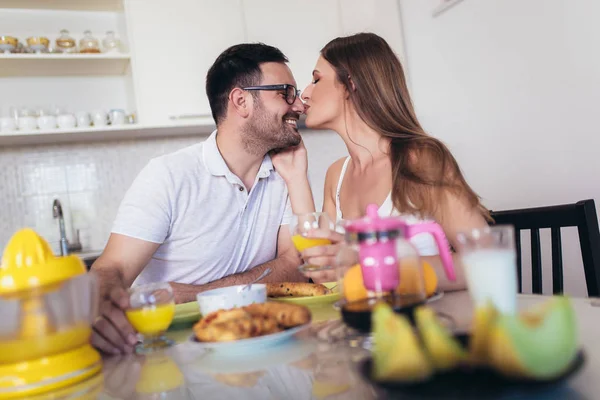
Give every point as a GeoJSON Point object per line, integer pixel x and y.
{"type": "Point", "coordinates": [290, 91]}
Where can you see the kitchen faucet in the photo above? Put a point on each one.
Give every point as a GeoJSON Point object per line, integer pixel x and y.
{"type": "Point", "coordinates": [65, 246]}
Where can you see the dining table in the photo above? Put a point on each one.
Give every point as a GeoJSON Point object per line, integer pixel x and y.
{"type": "Point", "coordinates": [321, 362]}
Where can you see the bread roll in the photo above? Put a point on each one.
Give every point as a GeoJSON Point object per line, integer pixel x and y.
{"type": "Point", "coordinates": [296, 289]}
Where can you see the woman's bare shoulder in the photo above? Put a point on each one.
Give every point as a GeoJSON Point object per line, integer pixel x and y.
{"type": "Point", "coordinates": [336, 166]}
{"type": "Point", "coordinates": [334, 170]}
{"type": "Point", "coordinates": [333, 175]}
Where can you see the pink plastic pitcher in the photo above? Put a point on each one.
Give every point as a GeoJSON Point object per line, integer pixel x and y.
{"type": "Point", "coordinates": [377, 240]}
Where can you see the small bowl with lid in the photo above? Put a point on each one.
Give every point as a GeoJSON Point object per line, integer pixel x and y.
{"type": "Point", "coordinates": [38, 44]}
{"type": "Point", "coordinates": [8, 44]}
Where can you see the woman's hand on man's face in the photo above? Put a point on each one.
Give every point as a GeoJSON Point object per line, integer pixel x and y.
{"type": "Point", "coordinates": [291, 163]}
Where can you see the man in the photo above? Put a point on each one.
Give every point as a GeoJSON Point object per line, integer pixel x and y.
{"type": "Point", "coordinates": [209, 215]}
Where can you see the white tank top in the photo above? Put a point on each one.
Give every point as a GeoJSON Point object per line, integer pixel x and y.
{"type": "Point", "coordinates": [424, 242]}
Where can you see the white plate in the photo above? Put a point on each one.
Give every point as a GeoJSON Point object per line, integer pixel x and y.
{"type": "Point", "coordinates": [251, 344]}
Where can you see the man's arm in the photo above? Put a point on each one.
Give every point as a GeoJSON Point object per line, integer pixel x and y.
{"type": "Point", "coordinates": [122, 260]}
{"type": "Point", "coordinates": [120, 263]}
{"type": "Point", "coordinates": [284, 266]}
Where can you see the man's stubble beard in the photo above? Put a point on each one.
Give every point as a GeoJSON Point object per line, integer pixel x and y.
{"type": "Point", "coordinates": [263, 134]}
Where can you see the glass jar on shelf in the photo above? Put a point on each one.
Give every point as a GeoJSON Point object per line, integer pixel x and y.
{"type": "Point", "coordinates": [111, 44]}
{"type": "Point", "coordinates": [8, 44]}
{"type": "Point", "coordinates": [21, 49]}
{"type": "Point", "coordinates": [38, 44]}
{"type": "Point", "coordinates": [65, 43]}
{"type": "Point", "coordinates": [89, 44]}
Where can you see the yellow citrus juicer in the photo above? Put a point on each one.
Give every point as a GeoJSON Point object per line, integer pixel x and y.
{"type": "Point", "coordinates": [47, 306]}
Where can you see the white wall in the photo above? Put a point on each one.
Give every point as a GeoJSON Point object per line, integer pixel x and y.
{"type": "Point", "coordinates": [513, 87]}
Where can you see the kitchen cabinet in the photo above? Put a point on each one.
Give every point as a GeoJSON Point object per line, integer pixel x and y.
{"type": "Point", "coordinates": [169, 46]}
{"type": "Point", "coordinates": [173, 43]}
{"type": "Point", "coordinates": [299, 28]}
{"type": "Point", "coordinates": [162, 75]}
{"type": "Point", "coordinates": [79, 82]}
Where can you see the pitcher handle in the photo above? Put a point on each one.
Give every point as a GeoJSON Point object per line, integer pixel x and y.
{"type": "Point", "coordinates": [441, 241]}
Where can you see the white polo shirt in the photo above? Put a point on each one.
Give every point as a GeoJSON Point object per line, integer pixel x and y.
{"type": "Point", "coordinates": [206, 222]}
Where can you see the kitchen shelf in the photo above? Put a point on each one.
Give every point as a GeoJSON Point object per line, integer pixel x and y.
{"type": "Point", "coordinates": [200, 126]}
{"type": "Point", "coordinates": [63, 64]}
{"type": "Point", "coordinates": [76, 5]}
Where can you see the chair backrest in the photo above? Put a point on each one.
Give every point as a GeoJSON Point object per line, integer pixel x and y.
{"type": "Point", "coordinates": [582, 215]}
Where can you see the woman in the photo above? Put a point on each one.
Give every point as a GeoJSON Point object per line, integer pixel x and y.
{"type": "Point", "coordinates": [359, 91]}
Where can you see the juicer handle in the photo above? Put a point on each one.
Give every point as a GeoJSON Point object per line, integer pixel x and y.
{"type": "Point", "coordinates": [441, 241]}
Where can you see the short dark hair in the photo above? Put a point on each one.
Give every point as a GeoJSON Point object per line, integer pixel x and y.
{"type": "Point", "coordinates": [238, 66]}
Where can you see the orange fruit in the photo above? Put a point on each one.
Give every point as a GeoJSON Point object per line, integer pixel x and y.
{"type": "Point", "coordinates": [354, 289]}
{"type": "Point", "coordinates": [410, 280]}
{"type": "Point", "coordinates": [352, 285]}
{"type": "Point", "coordinates": [431, 279]}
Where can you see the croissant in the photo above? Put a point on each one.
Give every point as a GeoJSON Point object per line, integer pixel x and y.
{"type": "Point", "coordinates": [286, 315]}
{"type": "Point", "coordinates": [250, 321]}
{"type": "Point", "coordinates": [241, 328]}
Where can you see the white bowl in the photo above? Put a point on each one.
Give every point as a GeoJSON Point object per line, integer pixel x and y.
{"type": "Point", "coordinates": [229, 297]}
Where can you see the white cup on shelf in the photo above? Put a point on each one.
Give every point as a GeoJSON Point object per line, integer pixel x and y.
{"type": "Point", "coordinates": [117, 117]}
{"type": "Point", "coordinates": [83, 119]}
{"type": "Point", "coordinates": [46, 122]}
{"type": "Point", "coordinates": [27, 123]}
{"type": "Point", "coordinates": [66, 121]}
{"type": "Point", "coordinates": [99, 118]}
{"type": "Point", "coordinates": [8, 124]}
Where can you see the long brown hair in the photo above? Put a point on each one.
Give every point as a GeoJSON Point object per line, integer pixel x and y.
{"type": "Point", "coordinates": [423, 169]}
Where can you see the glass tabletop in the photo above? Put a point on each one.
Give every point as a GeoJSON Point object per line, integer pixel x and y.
{"type": "Point", "coordinates": [315, 365]}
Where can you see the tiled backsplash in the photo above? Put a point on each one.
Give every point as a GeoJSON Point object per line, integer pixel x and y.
{"type": "Point", "coordinates": [91, 179]}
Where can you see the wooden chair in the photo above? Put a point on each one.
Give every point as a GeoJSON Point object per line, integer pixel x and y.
{"type": "Point", "coordinates": [582, 215]}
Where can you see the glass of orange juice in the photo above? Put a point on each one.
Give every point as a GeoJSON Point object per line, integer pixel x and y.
{"type": "Point", "coordinates": [151, 311]}
{"type": "Point", "coordinates": [306, 229]}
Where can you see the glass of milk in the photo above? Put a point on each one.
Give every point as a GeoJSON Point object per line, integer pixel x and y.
{"type": "Point", "coordinates": [489, 259]}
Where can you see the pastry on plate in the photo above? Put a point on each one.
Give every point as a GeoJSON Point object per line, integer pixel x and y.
{"type": "Point", "coordinates": [286, 315]}
{"type": "Point", "coordinates": [250, 321]}
{"type": "Point", "coordinates": [241, 328]}
{"type": "Point", "coordinates": [296, 289]}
